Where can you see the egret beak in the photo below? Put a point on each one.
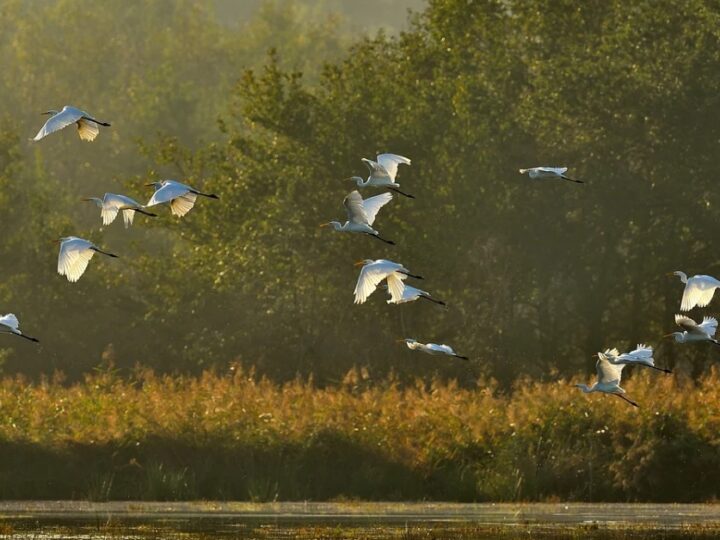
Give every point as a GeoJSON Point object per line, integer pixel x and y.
{"type": "Point", "coordinates": [595, 355]}
{"type": "Point", "coordinates": [668, 335]}
{"type": "Point", "coordinates": [399, 341]}
{"type": "Point", "coordinates": [150, 184]}
{"type": "Point", "coordinates": [85, 199]}
{"type": "Point", "coordinates": [670, 274]}
{"type": "Point", "coordinates": [324, 225]}
{"type": "Point", "coordinates": [359, 263]}
{"type": "Point", "coordinates": [47, 112]}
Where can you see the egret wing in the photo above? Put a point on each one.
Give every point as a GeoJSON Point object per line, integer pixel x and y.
{"type": "Point", "coordinates": [87, 129]}
{"type": "Point", "coordinates": [128, 216]}
{"type": "Point", "coordinates": [699, 291]}
{"type": "Point", "coordinates": [73, 258]}
{"type": "Point", "coordinates": [686, 323]}
{"type": "Point", "coordinates": [355, 209]}
{"type": "Point", "coordinates": [607, 372]}
{"type": "Point", "coordinates": [183, 204]}
{"type": "Point", "coordinates": [390, 163]}
{"type": "Point", "coordinates": [709, 326]}
{"type": "Point", "coordinates": [59, 121]}
{"type": "Point", "coordinates": [444, 349]}
{"type": "Point", "coordinates": [611, 352]}
{"type": "Point", "coordinates": [10, 320]}
{"type": "Point", "coordinates": [642, 352]}
{"type": "Point", "coordinates": [554, 170]}
{"type": "Point", "coordinates": [396, 287]}
{"type": "Point", "coordinates": [373, 204]}
{"type": "Point", "coordinates": [167, 192]}
{"type": "Point", "coordinates": [370, 276]}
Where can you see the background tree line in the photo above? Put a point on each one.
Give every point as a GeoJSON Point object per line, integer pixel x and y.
{"type": "Point", "coordinates": [537, 276]}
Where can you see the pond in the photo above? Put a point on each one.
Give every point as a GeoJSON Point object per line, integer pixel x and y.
{"type": "Point", "coordinates": [42, 520]}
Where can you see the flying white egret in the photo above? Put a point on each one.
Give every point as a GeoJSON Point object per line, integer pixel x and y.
{"type": "Point", "coordinates": [87, 125]}
{"type": "Point", "coordinates": [641, 356]}
{"type": "Point", "coordinates": [431, 348]}
{"type": "Point", "coordinates": [410, 294]}
{"type": "Point", "coordinates": [383, 173]}
{"type": "Point", "coordinates": [181, 197]}
{"type": "Point", "coordinates": [75, 254]}
{"type": "Point", "coordinates": [608, 379]}
{"type": "Point", "coordinates": [9, 325]}
{"type": "Point", "coordinates": [699, 290]}
{"type": "Point", "coordinates": [705, 331]}
{"type": "Point", "coordinates": [373, 272]}
{"type": "Point", "coordinates": [111, 204]}
{"type": "Point", "coordinates": [361, 214]}
{"type": "Point", "coordinates": [546, 173]}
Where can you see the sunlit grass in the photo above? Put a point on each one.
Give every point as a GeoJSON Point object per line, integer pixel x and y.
{"type": "Point", "coordinates": [237, 436]}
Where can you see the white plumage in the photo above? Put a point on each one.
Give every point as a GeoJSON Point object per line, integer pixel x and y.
{"type": "Point", "coordinates": [180, 197]}
{"type": "Point", "coordinates": [383, 172]}
{"type": "Point", "coordinates": [608, 379]}
{"type": "Point", "coordinates": [361, 214]}
{"type": "Point", "coordinates": [410, 294]}
{"type": "Point", "coordinates": [87, 125]}
{"type": "Point", "coordinates": [9, 324]}
{"type": "Point", "coordinates": [699, 290]}
{"type": "Point", "coordinates": [111, 204]}
{"type": "Point", "coordinates": [692, 331]}
{"type": "Point", "coordinates": [641, 356]}
{"type": "Point", "coordinates": [373, 272]}
{"type": "Point", "coordinates": [431, 348]}
{"type": "Point", "coordinates": [548, 173]}
{"type": "Point", "coordinates": [74, 256]}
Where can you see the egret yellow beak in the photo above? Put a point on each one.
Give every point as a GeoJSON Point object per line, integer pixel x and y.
{"type": "Point", "coordinates": [670, 274]}
{"type": "Point", "coordinates": [324, 225]}
{"type": "Point", "coordinates": [667, 335]}
{"type": "Point", "coordinates": [150, 184]}
{"type": "Point", "coordinates": [399, 341]}
{"type": "Point", "coordinates": [359, 263]}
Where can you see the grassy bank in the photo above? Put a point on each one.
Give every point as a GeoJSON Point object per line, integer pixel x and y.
{"type": "Point", "coordinates": [232, 436]}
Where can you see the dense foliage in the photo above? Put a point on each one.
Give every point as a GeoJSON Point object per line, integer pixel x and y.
{"type": "Point", "coordinates": [238, 437]}
{"type": "Point", "coordinates": [538, 275]}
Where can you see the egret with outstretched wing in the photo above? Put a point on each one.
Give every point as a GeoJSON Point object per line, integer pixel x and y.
{"type": "Point", "coordinates": [87, 125]}
{"type": "Point", "coordinates": [75, 254]}
{"type": "Point", "coordinates": [608, 379]}
{"type": "Point", "coordinates": [410, 294]}
{"type": "Point", "coordinates": [383, 173]}
{"type": "Point", "coordinates": [9, 324]}
{"type": "Point", "coordinates": [361, 214]}
{"type": "Point", "coordinates": [692, 331]}
{"type": "Point", "coordinates": [180, 197]}
{"type": "Point", "coordinates": [549, 173]}
{"type": "Point", "coordinates": [699, 290]}
{"type": "Point", "coordinates": [373, 272]}
{"type": "Point", "coordinates": [641, 356]}
{"type": "Point", "coordinates": [112, 203]}
{"type": "Point", "coordinates": [431, 348]}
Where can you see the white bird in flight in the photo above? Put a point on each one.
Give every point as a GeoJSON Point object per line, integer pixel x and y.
{"type": "Point", "coordinates": [546, 173]}
{"type": "Point", "coordinates": [180, 197]}
{"type": "Point", "coordinates": [431, 348]}
{"type": "Point", "coordinates": [410, 294]}
{"type": "Point", "coordinates": [361, 214]}
{"type": "Point", "coordinates": [112, 203]}
{"type": "Point", "coordinates": [641, 356]}
{"type": "Point", "coordinates": [383, 173]}
{"type": "Point", "coordinates": [75, 254]}
{"type": "Point", "coordinates": [373, 272]}
{"type": "Point", "coordinates": [9, 325]}
{"type": "Point", "coordinates": [608, 379]}
{"type": "Point", "coordinates": [87, 125]}
{"type": "Point", "coordinates": [699, 290]}
{"type": "Point", "coordinates": [705, 331]}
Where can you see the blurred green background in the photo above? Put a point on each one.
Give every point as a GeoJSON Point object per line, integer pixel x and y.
{"type": "Point", "coordinates": [271, 104]}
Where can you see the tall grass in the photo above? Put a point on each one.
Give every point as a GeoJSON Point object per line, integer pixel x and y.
{"type": "Point", "coordinates": [236, 436]}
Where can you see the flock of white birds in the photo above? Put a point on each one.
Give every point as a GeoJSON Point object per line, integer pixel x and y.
{"type": "Point", "coordinates": [75, 253]}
